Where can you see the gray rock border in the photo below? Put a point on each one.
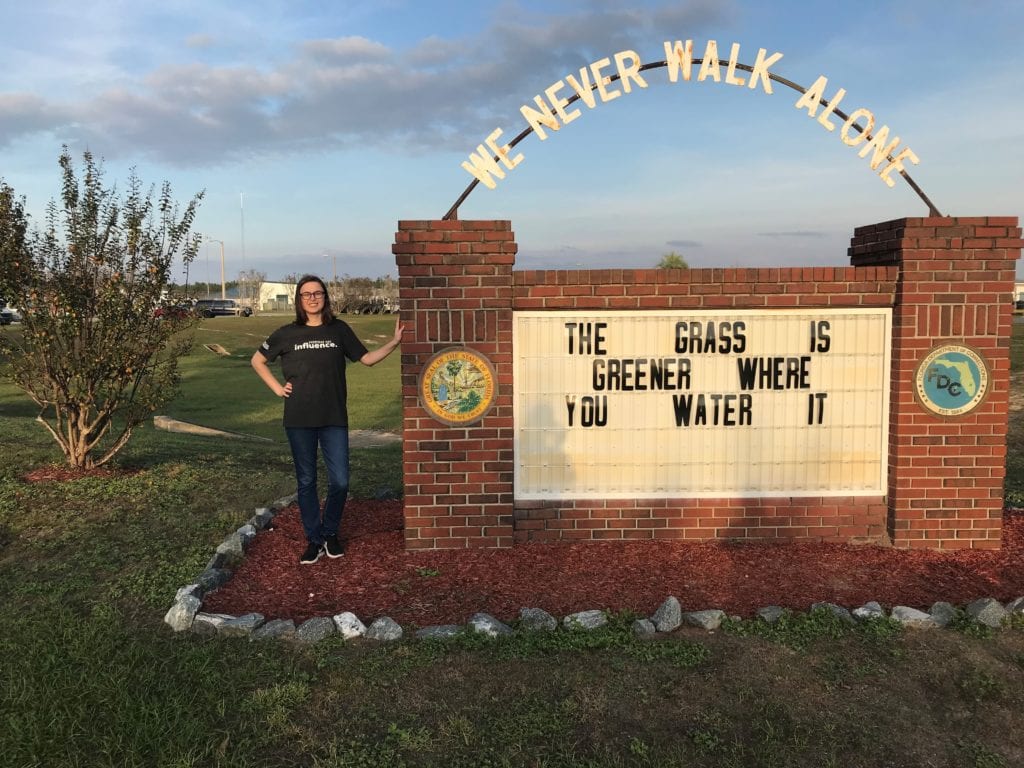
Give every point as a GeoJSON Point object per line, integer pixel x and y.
{"type": "Point", "coordinates": [185, 612]}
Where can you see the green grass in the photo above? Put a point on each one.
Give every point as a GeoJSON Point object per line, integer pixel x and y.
{"type": "Point", "coordinates": [90, 676]}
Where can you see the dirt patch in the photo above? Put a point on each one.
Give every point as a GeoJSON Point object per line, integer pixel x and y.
{"type": "Point", "coordinates": [377, 577]}
{"type": "Point", "coordinates": [368, 438]}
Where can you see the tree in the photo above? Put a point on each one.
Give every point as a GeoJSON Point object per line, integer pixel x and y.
{"type": "Point", "coordinates": [672, 260]}
{"type": "Point", "coordinates": [356, 293]}
{"type": "Point", "coordinates": [250, 283]}
{"type": "Point", "coordinates": [98, 350]}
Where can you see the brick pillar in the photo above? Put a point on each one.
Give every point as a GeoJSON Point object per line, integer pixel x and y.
{"type": "Point", "coordinates": [455, 290]}
{"type": "Point", "coordinates": [955, 285]}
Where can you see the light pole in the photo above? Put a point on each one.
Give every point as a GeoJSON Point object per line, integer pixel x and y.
{"type": "Point", "coordinates": [334, 278]}
{"type": "Point", "coordinates": [223, 293]}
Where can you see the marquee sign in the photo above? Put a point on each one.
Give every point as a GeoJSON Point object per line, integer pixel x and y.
{"type": "Point", "coordinates": [458, 386]}
{"type": "Point", "coordinates": [610, 78]}
{"type": "Point", "coordinates": [703, 403]}
{"type": "Point", "coordinates": [951, 380]}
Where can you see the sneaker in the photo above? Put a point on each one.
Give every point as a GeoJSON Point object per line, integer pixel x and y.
{"type": "Point", "coordinates": [333, 547]}
{"type": "Point", "coordinates": [312, 554]}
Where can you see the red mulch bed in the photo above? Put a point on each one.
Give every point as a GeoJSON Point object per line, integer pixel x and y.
{"type": "Point", "coordinates": [377, 577]}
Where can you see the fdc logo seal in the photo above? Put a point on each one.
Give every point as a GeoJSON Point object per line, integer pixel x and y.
{"type": "Point", "coordinates": [951, 380]}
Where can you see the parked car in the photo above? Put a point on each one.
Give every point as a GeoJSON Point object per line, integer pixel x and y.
{"type": "Point", "coordinates": [175, 311]}
{"type": "Point", "coordinates": [6, 318]}
{"type": "Point", "coordinates": [217, 307]}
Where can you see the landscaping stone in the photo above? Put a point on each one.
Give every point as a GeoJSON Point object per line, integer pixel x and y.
{"type": "Point", "coordinates": [643, 627]}
{"type": "Point", "coordinates": [836, 610]}
{"type": "Point", "coordinates": [537, 619]}
{"type": "Point", "coordinates": [277, 629]}
{"type": "Point", "coordinates": [438, 632]}
{"type": "Point", "coordinates": [189, 590]}
{"type": "Point", "coordinates": [316, 629]}
{"type": "Point", "coordinates": [913, 618]}
{"type": "Point", "coordinates": [944, 613]}
{"type": "Point", "coordinates": [987, 611]}
{"type": "Point", "coordinates": [183, 612]}
{"type": "Point", "coordinates": [219, 560]}
{"type": "Point", "coordinates": [384, 628]}
{"type": "Point", "coordinates": [669, 615]}
{"type": "Point", "coordinates": [585, 620]}
{"type": "Point", "coordinates": [709, 620]}
{"type": "Point", "coordinates": [212, 578]}
{"type": "Point", "coordinates": [246, 533]}
{"type": "Point", "coordinates": [232, 547]}
{"type": "Point", "coordinates": [262, 519]}
{"type": "Point", "coordinates": [1015, 606]}
{"type": "Point", "coordinates": [242, 626]}
{"type": "Point", "coordinates": [349, 625]}
{"type": "Point", "coordinates": [870, 610]}
{"type": "Point", "coordinates": [488, 625]}
{"type": "Point", "coordinates": [772, 613]}
{"type": "Point", "coordinates": [209, 623]}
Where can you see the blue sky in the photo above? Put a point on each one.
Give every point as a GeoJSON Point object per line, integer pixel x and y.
{"type": "Point", "coordinates": [314, 127]}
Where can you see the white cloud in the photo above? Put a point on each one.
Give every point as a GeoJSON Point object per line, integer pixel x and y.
{"type": "Point", "coordinates": [335, 92]}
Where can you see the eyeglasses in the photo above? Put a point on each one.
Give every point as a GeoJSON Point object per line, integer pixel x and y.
{"type": "Point", "coordinates": [312, 295]}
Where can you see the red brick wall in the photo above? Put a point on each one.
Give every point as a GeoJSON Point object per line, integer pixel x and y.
{"type": "Point", "coordinates": [944, 277]}
{"type": "Point", "coordinates": [956, 285]}
{"type": "Point", "coordinates": [455, 288]}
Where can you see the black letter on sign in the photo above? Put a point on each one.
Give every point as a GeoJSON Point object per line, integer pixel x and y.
{"type": "Point", "coordinates": [820, 397]}
{"type": "Point", "coordinates": [570, 404]}
{"type": "Point", "coordinates": [820, 339]}
{"type": "Point", "coordinates": [594, 411]}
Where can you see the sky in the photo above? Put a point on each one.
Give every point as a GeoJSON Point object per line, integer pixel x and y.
{"type": "Point", "coordinates": [312, 128]}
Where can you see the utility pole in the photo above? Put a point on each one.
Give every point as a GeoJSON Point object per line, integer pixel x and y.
{"type": "Point", "coordinates": [241, 211]}
{"type": "Point", "coordinates": [223, 293]}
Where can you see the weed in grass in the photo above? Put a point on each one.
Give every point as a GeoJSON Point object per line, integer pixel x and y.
{"type": "Point", "coordinates": [459, 729]}
{"type": "Point", "coordinates": [974, 754]}
{"type": "Point", "coordinates": [798, 630]}
{"type": "Point", "coordinates": [639, 748]}
{"type": "Point", "coordinates": [966, 625]}
{"type": "Point", "coordinates": [358, 752]}
{"type": "Point", "coordinates": [708, 735]}
{"type": "Point", "coordinates": [272, 706]}
{"type": "Point", "coordinates": [676, 653]}
{"type": "Point", "coordinates": [980, 686]}
{"type": "Point", "coordinates": [410, 737]}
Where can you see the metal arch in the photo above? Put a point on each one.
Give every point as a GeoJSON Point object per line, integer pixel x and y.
{"type": "Point", "coordinates": [932, 210]}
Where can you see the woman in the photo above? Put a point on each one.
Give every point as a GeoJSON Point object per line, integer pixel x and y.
{"type": "Point", "coordinates": [313, 351]}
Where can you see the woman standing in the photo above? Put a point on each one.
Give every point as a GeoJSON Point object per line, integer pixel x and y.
{"type": "Point", "coordinates": [313, 351]}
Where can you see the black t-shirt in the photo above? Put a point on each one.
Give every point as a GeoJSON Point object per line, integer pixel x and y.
{"type": "Point", "coordinates": [313, 360]}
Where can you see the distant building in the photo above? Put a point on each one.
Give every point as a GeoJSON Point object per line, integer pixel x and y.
{"type": "Point", "coordinates": [277, 297]}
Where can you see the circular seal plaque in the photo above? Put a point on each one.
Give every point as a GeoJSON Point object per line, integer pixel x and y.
{"type": "Point", "coordinates": [951, 380]}
{"type": "Point", "coordinates": [458, 386]}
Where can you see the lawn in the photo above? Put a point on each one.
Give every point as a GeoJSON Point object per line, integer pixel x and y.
{"type": "Point", "coordinates": [90, 675]}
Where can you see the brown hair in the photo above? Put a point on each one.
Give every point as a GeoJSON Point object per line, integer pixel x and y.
{"type": "Point", "coordinates": [326, 314]}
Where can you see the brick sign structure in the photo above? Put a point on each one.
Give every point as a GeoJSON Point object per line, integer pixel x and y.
{"type": "Point", "coordinates": [856, 404]}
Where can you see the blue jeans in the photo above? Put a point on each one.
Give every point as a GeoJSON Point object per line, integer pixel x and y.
{"type": "Point", "coordinates": [333, 443]}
